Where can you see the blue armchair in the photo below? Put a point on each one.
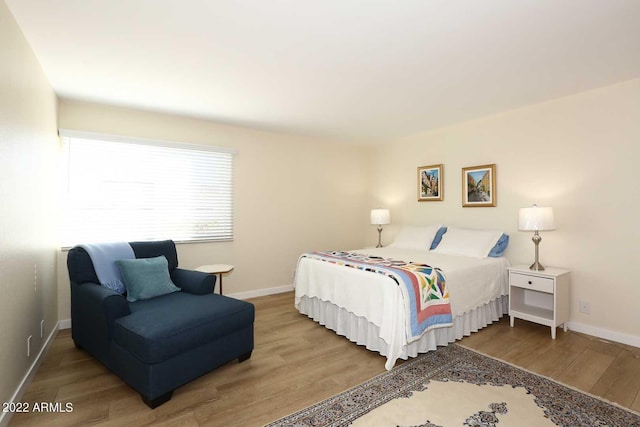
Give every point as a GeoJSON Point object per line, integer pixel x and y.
{"type": "Point", "coordinates": [158, 344]}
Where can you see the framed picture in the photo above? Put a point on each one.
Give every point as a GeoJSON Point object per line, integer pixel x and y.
{"type": "Point", "coordinates": [430, 183]}
{"type": "Point", "coordinates": [479, 186]}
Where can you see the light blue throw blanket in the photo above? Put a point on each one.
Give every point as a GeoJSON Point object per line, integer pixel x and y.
{"type": "Point", "coordinates": [104, 257]}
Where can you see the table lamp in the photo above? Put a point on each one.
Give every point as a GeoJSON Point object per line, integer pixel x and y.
{"type": "Point", "coordinates": [536, 218]}
{"type": "Point", "coordinates": [380, 217]}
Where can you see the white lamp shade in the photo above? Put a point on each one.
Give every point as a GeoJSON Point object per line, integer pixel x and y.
{"type": "Point", "coordinates": [536, 218]}
{"type": "Point", "coordinates": [380, 216]}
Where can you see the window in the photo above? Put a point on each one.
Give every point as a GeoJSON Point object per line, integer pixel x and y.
{"type": "Point", "coordinates": [127, 189]}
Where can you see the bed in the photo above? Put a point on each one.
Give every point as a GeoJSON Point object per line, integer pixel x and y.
{"type": "Point", "coordinates": [369, 309]}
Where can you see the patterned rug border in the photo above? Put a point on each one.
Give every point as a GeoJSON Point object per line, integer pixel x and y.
{"type": "Point", "coordinates": [345, 407]}
{"type": "Point", "coordinates": [593, 396]}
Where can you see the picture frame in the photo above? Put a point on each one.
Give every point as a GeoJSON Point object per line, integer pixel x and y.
{"type": "Point", "coordinates": [430, 183]}
{"type": "Point", "coordinates": [479, 186]}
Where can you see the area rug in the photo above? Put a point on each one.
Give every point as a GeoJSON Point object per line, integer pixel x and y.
{"type": "Point", "coordinates": [455, 386]}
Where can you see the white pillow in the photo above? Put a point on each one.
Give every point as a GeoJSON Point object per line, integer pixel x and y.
{"type": "Point", "coordinates": [467, 242]}
{"type": "Point", "coordinates": [414, 237]}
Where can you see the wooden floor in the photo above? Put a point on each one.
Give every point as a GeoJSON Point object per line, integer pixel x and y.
{"type": "Point", "coordinates": [297, 363]}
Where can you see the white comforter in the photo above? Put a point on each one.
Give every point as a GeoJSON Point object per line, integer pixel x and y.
{"type": "Point", "coordinates": [471, 282]}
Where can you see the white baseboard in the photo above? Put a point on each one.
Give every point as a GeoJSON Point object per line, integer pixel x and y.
{"type": "Point", "coordinates": [606, 334]}
{"type": "Point", "coordinates": [66, 323]}
{"type": "Point", "coordinates": [5, 417]}
{"type": "Point", "coordinates": [261, 292]}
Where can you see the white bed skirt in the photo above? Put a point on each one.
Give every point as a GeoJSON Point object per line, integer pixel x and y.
{"type": "Point", "coordinates": [358, 330]}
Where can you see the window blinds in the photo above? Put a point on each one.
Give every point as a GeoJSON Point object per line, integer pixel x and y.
{"type": "Point", "coordinates": [127, 189]}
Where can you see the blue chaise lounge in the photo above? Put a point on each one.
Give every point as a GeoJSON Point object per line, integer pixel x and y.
{"type": "Point", "coordinates": [160, 343]}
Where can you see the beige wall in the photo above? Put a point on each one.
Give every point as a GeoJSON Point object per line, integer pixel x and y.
{"type": "Point", "coordinates": [291, 194]}
{"type": "Point", "coordinates": [578, 154]}
{"type": "Point", "coordinates": [28, 202]}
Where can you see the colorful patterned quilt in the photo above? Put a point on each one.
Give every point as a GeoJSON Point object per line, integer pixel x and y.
{"type": "Point", "coordinates": [423, 287]}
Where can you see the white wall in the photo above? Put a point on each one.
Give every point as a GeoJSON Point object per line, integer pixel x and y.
{"type": "Point", "coordinates": [292, 194]}
{"type": "Point", "coordinates": [578, 154]}
{"type": "Point", "coordinates": [28, 202]}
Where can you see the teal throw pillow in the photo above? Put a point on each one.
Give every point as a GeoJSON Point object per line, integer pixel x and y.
{"type": "Point", "coordinates": [146, 277]}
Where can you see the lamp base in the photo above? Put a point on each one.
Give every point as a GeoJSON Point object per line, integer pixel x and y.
{"type": "Point", "coordinates": [536, 241]}
{"type": "Point", "coordinates": [536, 266]}
{"type": "Point", "coordinates": [379, 245]}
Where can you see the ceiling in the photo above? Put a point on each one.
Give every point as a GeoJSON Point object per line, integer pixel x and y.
{"type": "Point", "coordinates": [361, 71]}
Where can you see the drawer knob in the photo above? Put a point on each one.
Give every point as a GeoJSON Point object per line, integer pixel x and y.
{"type": "Point", "coordinates": [529, 282]}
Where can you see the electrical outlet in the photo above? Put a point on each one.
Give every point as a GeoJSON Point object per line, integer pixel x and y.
{"type": "Point", "coordinates": [29, 345]}
{"type": "Point", "coordinates": [584, 307]}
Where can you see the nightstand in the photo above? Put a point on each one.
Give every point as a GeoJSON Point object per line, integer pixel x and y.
{"type": "Point", "coordinates": [539, 296]}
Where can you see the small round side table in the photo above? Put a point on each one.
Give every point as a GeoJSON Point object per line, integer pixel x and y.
{"type": "Point", "coordinates": [218, 269]}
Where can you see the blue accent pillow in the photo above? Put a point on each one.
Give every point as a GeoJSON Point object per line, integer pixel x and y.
{"type": "Point", "coordinates": [500, 246]}
{"type": "Point", "coordinates": [438, 237]}
{"type": "Point", "coordinates": [146, 277]}
{"type": "Point", "coordinates": [495, 252]}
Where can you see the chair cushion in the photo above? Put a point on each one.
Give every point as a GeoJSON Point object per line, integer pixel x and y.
{"type": "Point", "coordinates": [162, 327]}
{"type": "Point", "coordinates": [146, 278]}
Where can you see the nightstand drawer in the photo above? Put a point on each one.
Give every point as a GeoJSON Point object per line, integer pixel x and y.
{"type": "Point", "coordinates": [540, 284]}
